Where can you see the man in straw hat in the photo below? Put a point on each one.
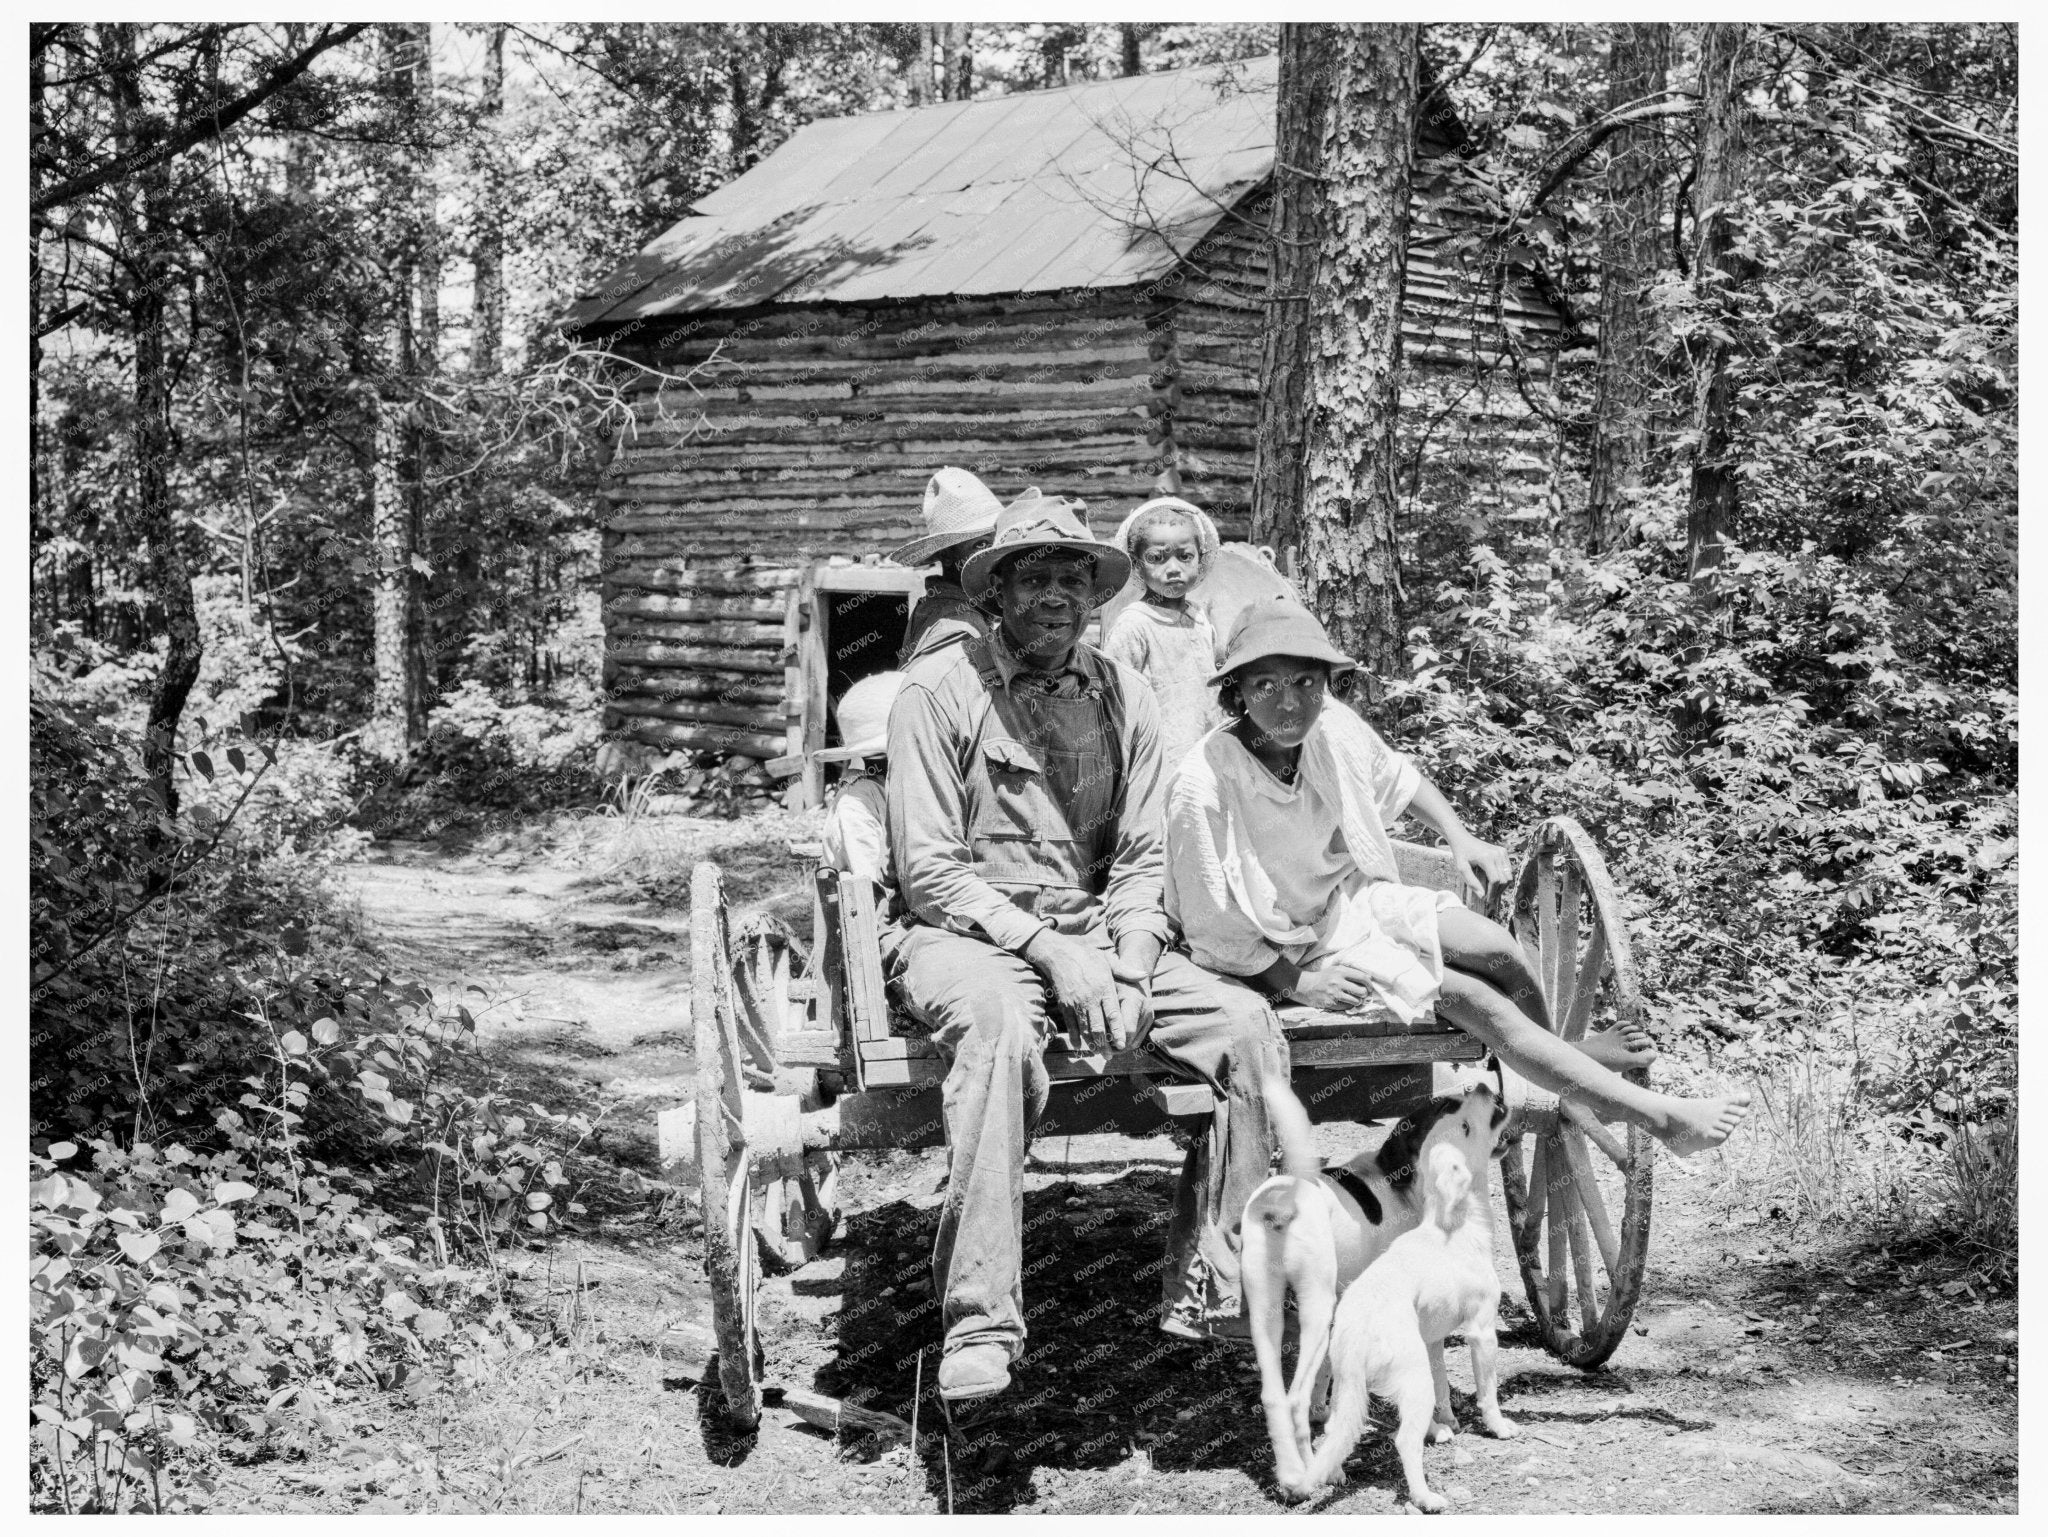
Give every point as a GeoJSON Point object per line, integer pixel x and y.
{"type": "Point", "coordinates": [959, 515]}
{"type": "Point", "coordinates": [1025, 821]}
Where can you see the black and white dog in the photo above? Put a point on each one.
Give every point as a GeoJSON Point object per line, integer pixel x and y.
{"type": "Point", "coordinates": [1317, 1233]}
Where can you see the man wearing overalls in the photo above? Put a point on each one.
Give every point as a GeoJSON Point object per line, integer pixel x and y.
{"type": "Point", "coordinates": [1025, 817]}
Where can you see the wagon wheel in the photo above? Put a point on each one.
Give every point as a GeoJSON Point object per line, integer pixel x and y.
{"type": "Point", "coordinates": [769, 1203]}
{"type": "Point", "coordinates": [1579, 1214]}
{"type": "Point", "coordinates": [796, 1203]}
{"type": "Point", "coordinates": [724, 1167]}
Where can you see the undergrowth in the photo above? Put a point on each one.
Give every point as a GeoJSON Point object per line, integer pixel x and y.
{"type": "Point", "coordinates": [267, 1182]}
{"type": "Point", "coordinates": [1813, 814]}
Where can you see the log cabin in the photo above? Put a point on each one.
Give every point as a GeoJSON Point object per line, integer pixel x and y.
{"type": "Point", "coordinates": [1062, 288]}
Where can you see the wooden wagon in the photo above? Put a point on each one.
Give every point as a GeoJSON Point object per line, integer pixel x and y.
{"type": "Point", "coordinates": [801, 1056]}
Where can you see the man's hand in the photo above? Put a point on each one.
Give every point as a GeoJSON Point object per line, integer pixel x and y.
{"type": "Point", "coordinates": [1482, 866]}
{"type": "Point", "coordinates": [1134, 1003]}
{"type": "Point", "coordinates": [1081, 979]}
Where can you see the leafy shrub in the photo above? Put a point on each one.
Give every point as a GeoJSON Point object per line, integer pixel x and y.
{"type": "Point", "coordinates": [1811, 811]}
{"type": "Point", "coordinates": [233, 1292]}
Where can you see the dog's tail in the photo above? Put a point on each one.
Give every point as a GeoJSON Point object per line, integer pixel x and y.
{"type": "Point", "coordinates": [1340, 1433]}
{"type": "Point", "coordinates": [1291, 1129]}
{"type": "Point", "coordinates": [1273, 1205]}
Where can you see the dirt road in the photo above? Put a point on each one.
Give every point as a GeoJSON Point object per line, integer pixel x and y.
{"type": "Point", "coordinates": [1769, 1372]}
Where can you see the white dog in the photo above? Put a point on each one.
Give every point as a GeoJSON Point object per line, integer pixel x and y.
{"type": "Point", "coordinates": [1315, 1230]}
{"type": "Point", "coordinates": [1388, 1339]}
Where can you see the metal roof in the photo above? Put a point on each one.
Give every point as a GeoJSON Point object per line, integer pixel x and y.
{"type": "Point", "coordinates": [1093, 186]}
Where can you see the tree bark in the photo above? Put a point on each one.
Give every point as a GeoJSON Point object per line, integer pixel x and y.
{"type": "Point", "coordinates": [487, 328]}
{"type": "Point", "coordinates": [143, 228]}
{"type": "Point", "coordinates": [39, 523]}
{"type": "Point", "coordinates": [1717, 180]}
{"type": "Point", "coordinates": [398, 697]}
{"type": "Point", "coordinates": [1133, 62]}
{"type": "Point", "coordinates": [1350, 563]}
{"type": "Point", "coordinates": [921, 70]}
{"type": "Point", "coordinates": [1294, 222]}
{"type": "Point", "coordinates": [1631, 246]}
{"type": "Point", "coordinates": [959, 62]}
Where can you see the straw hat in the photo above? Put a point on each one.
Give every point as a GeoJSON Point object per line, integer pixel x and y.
{"type": "Point", "coordinates": [1278, 627]}
{"type": "Point", "coordinates": [957, 507]}
{"type": "Point", "coordinates": [863, 716]}
{"type": "Point", "coordinates": [1038, 522]}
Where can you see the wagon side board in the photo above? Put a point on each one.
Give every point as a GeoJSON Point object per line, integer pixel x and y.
{"type": "Point", "coordinates": [911, 1117]}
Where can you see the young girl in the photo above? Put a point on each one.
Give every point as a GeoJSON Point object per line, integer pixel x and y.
{"type": "Point", "coordinates": [857, 822]}
{"type": "Point", "coordinates": [1164, 636]}
{"type": "Point", "coordinates": [1279, 869]}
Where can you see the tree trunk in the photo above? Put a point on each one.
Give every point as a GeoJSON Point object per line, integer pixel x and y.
{"type": "Point", "coordinates": [1133, 62]}
{"type": "Point", "coordinates": [1294, 220]}
{"type": "Point", "coordinates": [487, 327]}
{"type": "Point", "coordinates": [144, 232]}
{"type": "Point", "coordinates": [420, 456]}
{"type": "Point", "coordinates": [1631, 248]}
{"type": "Point", "coordinates": [44, 608]}
{"type": "Point", "coordinates": [1711, 519]}
{"type": "Point", "coordinates": [959, 63]}
{"type": "Point", "coordinates": [1350, 564]}
{"type": "Point", "coordinates": [921, 69]}
{"type": "Point", "coordinates": [398, 696]}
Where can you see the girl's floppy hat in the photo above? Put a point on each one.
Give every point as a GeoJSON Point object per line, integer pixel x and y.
{"type": "Point", "coordinates": [1278, 627]}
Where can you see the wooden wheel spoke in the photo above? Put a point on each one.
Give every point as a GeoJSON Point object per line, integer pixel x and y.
{"type": "Point", "coordinates": [1581, 1245]}
{"type": "Point", "coordinates": [1591, 1202]}
{"type": "Point", "coordinates": [1557, 1184]}
{"type": "Point", "coordinates": [1599, 1135]}
{"type": "Point", "coordinates": [1537, 1193]}
{"type": "Point", "coordinates": [1578, 1014]}
{"type": "Point", "coordinates": [1565, 980]}
{"type": "Point", "coordinates": [1547, 960]}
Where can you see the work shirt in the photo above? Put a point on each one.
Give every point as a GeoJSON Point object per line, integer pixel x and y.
{"type": "Point", "coordinates": [856, 836]}
{"type": "Point", "coordinates": [1021, 798]}
{"type": "Point", "coordinates": [943, 617]}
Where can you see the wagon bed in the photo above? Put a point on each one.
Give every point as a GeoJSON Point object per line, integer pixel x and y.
{"type": "Point", "coordinates": [801, 1055]}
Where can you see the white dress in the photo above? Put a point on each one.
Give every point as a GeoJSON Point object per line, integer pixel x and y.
{"type": "Point", "coordinates": [1257, 870]}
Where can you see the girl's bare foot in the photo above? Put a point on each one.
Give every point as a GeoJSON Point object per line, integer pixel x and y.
{"type": "Point", "coordinates": [1694, 1125]}
{"type": "Point", "coordinates": [1621, 1048]}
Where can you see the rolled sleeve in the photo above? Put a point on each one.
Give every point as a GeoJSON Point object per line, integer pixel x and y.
{"type": "Point", "coordinates": [927, 794]}
{"type": "Point", "coordinates": [1134, 901]}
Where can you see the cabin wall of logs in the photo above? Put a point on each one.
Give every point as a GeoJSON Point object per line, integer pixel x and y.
{"type": "Point", "coordinates": [790, 440]}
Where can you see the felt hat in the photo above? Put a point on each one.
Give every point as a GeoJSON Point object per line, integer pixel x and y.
{"type": "Point", "coordinates": [1037, 523]}
{"type": "Point", "coordinates": [957, 508]}
{"type": "Point", "coordinates": [863, 716]}
{"type": "Point", "coordinates": [1278, 627]}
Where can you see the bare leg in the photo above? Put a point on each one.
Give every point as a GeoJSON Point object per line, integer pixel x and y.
{"type": "Point", "coordinates": [1686, 1126]}
{"type": "Point", "coordinates": [1482, 947]}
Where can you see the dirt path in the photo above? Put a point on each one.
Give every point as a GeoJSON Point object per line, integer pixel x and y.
{"type": "Point", "coordinates": [1765, 1374]}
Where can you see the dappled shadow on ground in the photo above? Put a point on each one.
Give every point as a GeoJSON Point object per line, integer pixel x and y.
{"type": "Point", "coordinates": [1096, 1378]}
